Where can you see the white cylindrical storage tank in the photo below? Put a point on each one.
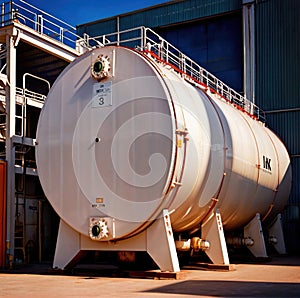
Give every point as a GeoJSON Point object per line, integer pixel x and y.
{"type": "Point", "coordinates": [123, 137]}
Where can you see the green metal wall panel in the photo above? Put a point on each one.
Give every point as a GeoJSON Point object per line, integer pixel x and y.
{"type": "Point", "coordinates": [278, 91]}
{"type": "Point", "coordinates": [178, 12]}
{"type": "Point", "coordinates": [278, 54]}
{"type": "Point", "coordinates": [286, 125]}
{"type": "Point", "coordinates": [291, 214]}
{"type": "Point", "coordinates": [161, 15]}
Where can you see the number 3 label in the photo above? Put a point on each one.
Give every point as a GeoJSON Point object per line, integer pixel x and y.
{"type": "Point", "coordinates": [102, 95]}
{"type": "Point", "coordinates": [101, 101]}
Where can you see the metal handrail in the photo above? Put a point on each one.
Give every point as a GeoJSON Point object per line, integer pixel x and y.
{"type": "Point", "coordinates": [22, 12]}
{"type": "Point", "coordinates": [25, 95]}
{"type": "Point", "coordinates": [170, 54]}
{"type": "Point", "coordinates": [124, 37]}
{"type": "Point", "coordinates": [146, 40]}
{"type": "Point", "coordinates": [141, 38]}
{"type": "Point", "coordinates": [28, 94]}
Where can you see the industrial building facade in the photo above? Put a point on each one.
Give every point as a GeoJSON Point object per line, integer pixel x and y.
{"type": "Point", "coordinates": [250, 45]}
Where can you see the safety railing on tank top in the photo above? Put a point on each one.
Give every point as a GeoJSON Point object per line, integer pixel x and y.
{"type": "Point", "coordinates": [154, 45]}
{"type": "Point", "coordinates": [141, 38]}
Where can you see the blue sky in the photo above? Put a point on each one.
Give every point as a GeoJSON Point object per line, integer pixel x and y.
{"type": "Point", "coordinates": [76, 12]}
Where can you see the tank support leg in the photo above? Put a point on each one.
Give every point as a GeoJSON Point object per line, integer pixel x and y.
{"type": "Point", "coordinates": [67, 246]}
{"type": "Point", "coordinates": [161, 244]}
{"type": "Point", "coordinates": [212, 231]}
{"type": "Point", "coordinates": [254, 231]}
{"type": "Point", "coordinates": [275, 231]}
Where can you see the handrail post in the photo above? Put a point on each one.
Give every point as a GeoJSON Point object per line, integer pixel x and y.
{"type": "Point", "coordinates": [2, 14]}
{"type": "Point", "coordinates": [86, 39]}
{"type": "Point", "coordinates": [182, 62]}
{"type": "Point", "coordinates": [251, 108]}
{"type": "Point", "coordinates": [35, 22]}
{"type": "Point", "coordinates": [61, 34]}
{"type": "Point", "coordinates": [10, 10]}
{"type": "Point", "coordinates": [40, 23]}
{"type": "Point", "coordinates": [166, 54]}
{"type": "Point", "coordinates": [143, 37]}
{"type": "Point", "coordinates": [160, 49]}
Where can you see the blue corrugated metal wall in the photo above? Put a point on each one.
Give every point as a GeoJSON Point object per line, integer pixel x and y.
{"type": "Point", "coordinates": [278, 90]}
{"type": "Point", "coordinates": [216, 44]}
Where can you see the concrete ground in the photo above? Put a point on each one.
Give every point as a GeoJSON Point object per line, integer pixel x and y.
{"type": "Point", "coordinates": [277, 278]}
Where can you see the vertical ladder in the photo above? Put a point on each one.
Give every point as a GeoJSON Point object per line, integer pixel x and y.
{"type": "Point", "coordinates": [20, 219]}
{"type": "Point", "coordinates": [20, 225]}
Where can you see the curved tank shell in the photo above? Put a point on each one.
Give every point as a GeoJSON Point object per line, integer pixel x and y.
{"type": "Point", "coordinates": [128, 137]}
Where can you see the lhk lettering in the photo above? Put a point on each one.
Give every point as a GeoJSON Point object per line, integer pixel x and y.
{"type": "Point", "coordinates": [267, 163]}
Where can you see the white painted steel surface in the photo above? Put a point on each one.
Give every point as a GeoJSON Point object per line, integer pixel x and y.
{"type": "Point", "coordinates": [142, 140]}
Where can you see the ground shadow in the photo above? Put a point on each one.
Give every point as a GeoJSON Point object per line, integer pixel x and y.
{"type": "Point", "coordinates": [231, 289]}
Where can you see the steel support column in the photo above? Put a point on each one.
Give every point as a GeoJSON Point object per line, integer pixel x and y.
{"type": "Point", "coordinates": [10, 131]}
{"type": "Point", "coordinates": [249, 49]}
